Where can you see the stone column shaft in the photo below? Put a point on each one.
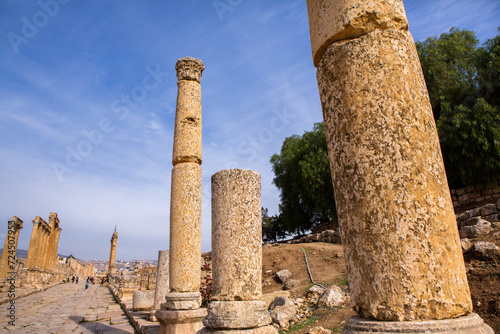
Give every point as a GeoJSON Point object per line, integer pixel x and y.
{"type": "Point", "coordinates": [10, 247]}
{"type": "Point", "coordinates": [185, 228]}
{"type": "Point", "coordinates": [32, 246]}
{"type": "Point", "coordinates": [112, 254]}
{"type": "Point", "coordinates": [397, 222]}
{"type": "Point", "coordinates": [237, 254]}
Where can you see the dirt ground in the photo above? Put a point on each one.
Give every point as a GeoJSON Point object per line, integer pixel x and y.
{"type": "Point", "coordinates": [326, 262]}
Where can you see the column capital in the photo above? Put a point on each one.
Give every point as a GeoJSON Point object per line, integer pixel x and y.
{"type": "Point", "coordinates": [189, 68]}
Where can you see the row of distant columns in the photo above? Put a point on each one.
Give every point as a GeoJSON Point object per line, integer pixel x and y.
{"type": "Point", "coordinates": [44, 241]}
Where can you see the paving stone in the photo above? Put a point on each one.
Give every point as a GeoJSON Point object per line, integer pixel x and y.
{"type": "Point", "coordinates": [68, 308]}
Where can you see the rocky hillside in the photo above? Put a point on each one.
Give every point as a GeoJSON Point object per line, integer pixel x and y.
{"type": "Point", "coordinates": [302, 308]}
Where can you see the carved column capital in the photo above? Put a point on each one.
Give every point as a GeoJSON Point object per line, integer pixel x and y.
{"type": "Point", "coordinates": [189, 68]}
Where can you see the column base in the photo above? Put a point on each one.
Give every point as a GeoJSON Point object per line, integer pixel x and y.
{"type": "Point", "coordinates": [237, 315]}
{"type": "Point", "coordinates": [181, 322]}
{"type": "Point", "coordinates": [470, 324]}
{"type": "Point", "coordinates": [260, 330]}
{"type": "Point", "coordinates": [182, 301]}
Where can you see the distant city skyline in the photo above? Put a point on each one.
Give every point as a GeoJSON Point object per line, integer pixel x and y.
{"type": "Point", "coordinates": [88, 93]}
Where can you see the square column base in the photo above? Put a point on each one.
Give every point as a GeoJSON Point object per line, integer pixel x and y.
{"type": "Point", "coordinates": [181, 322]}
{"type": "Point", "coordinates": [470, 324]}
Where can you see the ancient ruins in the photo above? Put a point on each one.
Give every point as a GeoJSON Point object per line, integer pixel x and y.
{"type": "Point", "coordinates": [43, 266]}
{"type": "Point", "coordinates": [405, 265]}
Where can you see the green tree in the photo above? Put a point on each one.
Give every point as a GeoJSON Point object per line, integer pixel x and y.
{"type": "Point", "coordinates": [464, 88]}
{"type": "Point", "coordinates": [302, 174]}
{"type": "Point", "coordinates": [449, 67]}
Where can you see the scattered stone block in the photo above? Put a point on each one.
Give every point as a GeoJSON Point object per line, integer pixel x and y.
{"type": "Point", "coordinates": [488, 209]}
{"type": "Point", "coordinates": [486, 251]}
{"type": "Point", "coordinates": [314, 293]}
{"type": "Point", "coordinates": [143, 300]}
{"type": "Point", "coordinates": [319, 330]}
{"type": "Point", "coordinates": [269, 297]}
{"type": "Point", "coordinates": [332, 297]}
{"type": "Point", "coordinates": [466, 245]}
{"type": "Point", "coordinates": [282, 310]}
{"type": "Point", "coordinates": [283, 275]}
{"type": "Point", "coordinates": [290, 284]}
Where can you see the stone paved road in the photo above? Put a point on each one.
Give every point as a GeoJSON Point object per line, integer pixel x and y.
{"type": "Point", "coordinates": [67, 308]}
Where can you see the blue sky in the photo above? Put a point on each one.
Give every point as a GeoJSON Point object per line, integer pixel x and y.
{"type": "Point", "coordinates": [88, 92]}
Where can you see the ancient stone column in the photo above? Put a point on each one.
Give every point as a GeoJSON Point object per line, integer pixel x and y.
{"type": "Point", "coordinates": [32, 246]}
{"type": "Point", "coordinates": [10, 247]}
{"type": "Point", "coordinates": [184, 299]}
{"type": "Point", "coordinates": [53, 240]}
{"type": "Point", "coordinates": [396, 216]}
{"type": "Point", "coordinates": [236, 302]}
{"type": "Point", "coordinates": [162, 282]}
{"type": "Point", "coordinates": [45, 246]}
{"type": "Point", "coordinates": [112, 254]}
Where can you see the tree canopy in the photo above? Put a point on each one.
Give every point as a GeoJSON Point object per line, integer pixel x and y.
{"type": "Point", "coordinates": [302, 174]}
{"type": "Point", "coordinates": [463, 80]}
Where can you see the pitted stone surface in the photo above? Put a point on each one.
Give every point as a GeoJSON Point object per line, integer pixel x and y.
{"type": "Point", "coordinates": [187, 133]}
{"type": "Point", "coordinates": [162, 279]}
{"type": "Point", "coordinates": [236, 235]}
{"type": "Point", "coordinates": [143, 300]}
{"type": "Point", "coordinates": [471, 324]}
{"type": "Point", "coordinates": [331, 21]}
{"type": "Point", "coordinates": [185, 228]}
{"type": "Point", "coordinates": [398, 226]}
{"type": "Point", "coordinates": [182, 301]}
{"type": "Point", "coordinates": [237, 315]}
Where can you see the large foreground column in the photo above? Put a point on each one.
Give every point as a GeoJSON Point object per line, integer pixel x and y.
{"type": "Point", "coordinates": [236, 304]}
{"type": "Point", "coordinates": [397, 222]}
{"type": "Point", "coordinates": [181, 311]}
{"type": "Point", "coordinates": [10, 247]}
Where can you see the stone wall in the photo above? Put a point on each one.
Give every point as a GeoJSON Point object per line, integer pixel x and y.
{"type": "Point", "coordinates": [475, 194]}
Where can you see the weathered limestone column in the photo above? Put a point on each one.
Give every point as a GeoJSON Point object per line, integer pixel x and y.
{"type": "Point", "coordinates": [38, 222]}
{"type": "Point", "coordinates": [162, 282]}
{"type": "Point", "coordinates": [112, 253]}
{"type": "Point", "coordinates": [55, 247]}
{"type": "Point", "coordinates": [397, 222]}
{"type": "Point", "coordinates": [10, 247]}
{"type": "Point", "coordinates": [32, 246]}
{"type": "Point", "coordinates": [181, 311]}
{"type": "Point", "coordinates": [46, 245]}
{"type": "Point", "coordinates": [53, 240]}
{"type": "Point", "coordinates": [236, 304]}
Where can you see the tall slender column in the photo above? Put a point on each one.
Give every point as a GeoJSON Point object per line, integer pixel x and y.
{"type": "Point", "coordinates": [184, 299]}
{"type": "Point", "coordinates": [395, 211]}
{"type": "Point", "coordinates": [53, 240]}
{"type": "Point", "coordinates": [32, 246]}
{"type": "Point", "coordinates": [10, 247]}
{"type": "Point", "coordinates": [112, 254]}
{"type": "Point", "coordinates": [45, 248]}
{"type": "Point", "coordinates": [237, 255]}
